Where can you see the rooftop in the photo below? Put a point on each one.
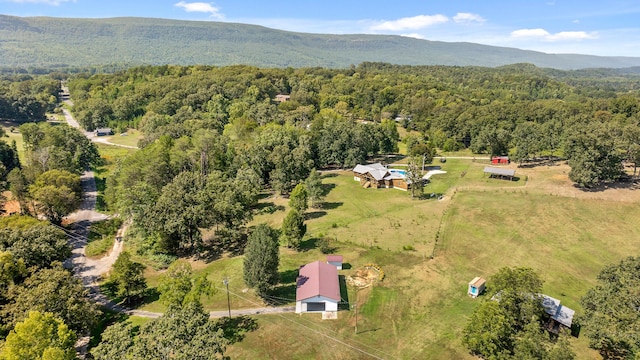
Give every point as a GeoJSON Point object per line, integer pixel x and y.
{"type": "Point", "coordinates": [318, 279]}
{"type": "Point", "coordinates": [499, 171]}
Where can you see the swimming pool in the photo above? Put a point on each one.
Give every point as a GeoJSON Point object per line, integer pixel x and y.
{"type": "Point", "coordinates": [398, 171]}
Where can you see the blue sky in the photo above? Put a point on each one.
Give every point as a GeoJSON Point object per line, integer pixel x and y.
{"type": "Point", "coordinates": [610, 28]}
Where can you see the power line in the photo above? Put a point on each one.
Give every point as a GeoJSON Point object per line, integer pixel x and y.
{"type": "Point", "coordinates": [315, 331]}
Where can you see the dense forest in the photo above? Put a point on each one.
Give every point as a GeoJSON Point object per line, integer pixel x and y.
{"type": "Point", "coordinates": [26, 98]}
{"type": "Point", "coordinates": [340, 117]}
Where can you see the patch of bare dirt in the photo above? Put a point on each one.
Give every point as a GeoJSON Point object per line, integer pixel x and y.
{"type": "Point", "coordinates": [363, 277]}
{"type": "Point", "coordinates": [10, 206]}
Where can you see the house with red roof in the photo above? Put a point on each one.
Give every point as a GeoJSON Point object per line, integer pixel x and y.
{"type": "Point", "coordinates": [317, 288]}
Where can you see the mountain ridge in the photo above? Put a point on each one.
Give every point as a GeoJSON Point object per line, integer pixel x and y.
{"type": "Point", "coordinates": [49, 41]}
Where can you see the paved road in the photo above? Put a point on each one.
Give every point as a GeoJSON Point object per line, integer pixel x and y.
{"type": "Point", "coordinates": [90, 135]}
{"type": "Point", "coordinates": [91, 270]}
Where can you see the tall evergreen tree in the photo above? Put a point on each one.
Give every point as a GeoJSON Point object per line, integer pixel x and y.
{"type": "Point", "coordinates": [293, 229]}
{"type": "Point", "coordinates": [314, 188]}
{"type": "Point", "coordinates": [298, 199]}
{"type": "Point", "coordinates": [262, 256]}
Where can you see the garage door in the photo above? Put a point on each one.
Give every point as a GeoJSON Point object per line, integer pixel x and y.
{"type": "Point", "coordinates": [315, 306]}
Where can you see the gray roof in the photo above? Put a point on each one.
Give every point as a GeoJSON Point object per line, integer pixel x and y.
{"type": "Point", "coordinates": [377, 170]}
{"type": "Point", "coordinates": [499, 171]}
{"type": "Point", "coordinates": [559, 313]}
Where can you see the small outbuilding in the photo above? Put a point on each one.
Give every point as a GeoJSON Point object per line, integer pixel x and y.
{"type": "Point", "coordinates": [283, 98]}
{"type": "Point", "coordinates": [103, 132]}
{"type": "Point", "coordinates": [476, 286]}
{"type": "Point", "coordinates": [559, 315]}
{"type": "Point", "coordinates": [500, 173]}
{"type": "Point", "coordinates": [335, 260]}
{"type": "Point", "coordinates": [317, 288]}
{"type": "Point", "coordinates": [500, 160]}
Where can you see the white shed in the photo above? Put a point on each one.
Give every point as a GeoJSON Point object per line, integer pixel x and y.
{"type": "Point", "coordinates": [476, 286]}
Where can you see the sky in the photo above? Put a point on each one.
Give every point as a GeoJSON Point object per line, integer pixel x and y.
{"type": "Point", "coordinates": [607, 28]}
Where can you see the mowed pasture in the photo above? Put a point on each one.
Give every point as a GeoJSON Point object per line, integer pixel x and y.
{"type": "Point", "coordinates": [14, 135]}
{"type": "Point", "coordinates": [429, 250]}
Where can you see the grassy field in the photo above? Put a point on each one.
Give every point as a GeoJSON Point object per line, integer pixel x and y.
{"type": "Point", "coordinates": [429, 250]}
{"type": "Point", "coordinates": [130, 139]}
{"type": "Point", "coordinates": [13, 135]}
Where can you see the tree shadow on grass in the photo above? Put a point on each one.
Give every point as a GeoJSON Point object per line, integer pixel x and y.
{"type": "Point", "coordinates": [281, 295]}
{"type": "Point", "coordinates": [332, 205]}
{"type": "Point", "coordinates": [344, 294]}
{"type": "Point", "coordinates": [234, 329]}
{"type": "Point", "coordinates": [315, 214]}
{"type": "Point", "coordinates": [288, 276]}
{"type": "Point", "coordinates": [326, 188]}
{"type": "Point", "coordinates": [308, 244]}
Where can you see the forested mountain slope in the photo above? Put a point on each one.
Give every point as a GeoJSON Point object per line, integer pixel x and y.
{"type": "Point", "coordinates": [50, 42]}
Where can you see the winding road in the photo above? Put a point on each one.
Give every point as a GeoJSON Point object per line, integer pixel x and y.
{"type": "Point", "coordinates": [90, 270]}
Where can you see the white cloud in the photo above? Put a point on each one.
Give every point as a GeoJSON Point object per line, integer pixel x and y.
{"type": "Point", "coordinates": [468, 18]}
{"type": "Point", "coordinates": [201, 7]}
{"type": "Point", "coordinates": [543, 34]}
{"type": "Point", "coordinates": [530, 33]}
{"type": "Point", "coordinates": [46, 2]}
{"type": "Point", "coordinates": [410, 23]}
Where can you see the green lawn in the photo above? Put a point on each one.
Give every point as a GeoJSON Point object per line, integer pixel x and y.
{"type": "Point", "coordinates": [130, 139]}
{"type": "Point", "coordinates": [420, 308]}
{"type": "Point", "coordinates": [15, 135]}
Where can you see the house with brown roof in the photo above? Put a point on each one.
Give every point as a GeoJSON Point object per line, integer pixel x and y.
{"type": "Point", "coordinates": [317, 288]}
{"type": "Point", "coordinates": [378, 176]}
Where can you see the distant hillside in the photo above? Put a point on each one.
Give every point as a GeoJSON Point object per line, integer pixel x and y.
{"type": "Point", "coordinates": [45, 42]}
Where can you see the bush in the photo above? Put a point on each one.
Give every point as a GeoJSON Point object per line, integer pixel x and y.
{"type": "Point", "coordinates": [324, 244]}
{"type": "Point", "coordinates": [408, 248]}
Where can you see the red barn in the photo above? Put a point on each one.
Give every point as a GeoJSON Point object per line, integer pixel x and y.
{"type": "Point", "coordinates": [500, 160]}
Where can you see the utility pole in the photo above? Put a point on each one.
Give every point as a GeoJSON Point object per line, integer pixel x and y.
{"type": "Point", "coordinates": [226, 284]}
{"type": "Point", "coordinates": [355, 308]}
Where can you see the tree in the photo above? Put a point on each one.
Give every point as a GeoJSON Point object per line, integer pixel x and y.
{"type": "Point", "coordinates": [57, 193]}
{"type": "Point", "coordinates": [414, 178]}
{"type": "Point", "coordinates": [179, 287]}
{"type": "Point", "coordinates": [423, 152]}
{"type": "Point", "coordinates": [37, 243]}
{"type": "Point", "coordinates": [592, 155]}
{"type": "Point", "coordinates": [182, 210]}
{"type": "Point", "coordinates": [182, 333]}
{"type": "Point", "coordinates": [611, 320]}
{"type": "Point", "coordinates": [488, 331]}
{"type": "Point", "coordinates": [261, 259]}
{"type": "Point", "coordinates": [508, 322]}
{"type": "Point", "coordinates": [313, 183]}
{"type": "Point", "coordinates": [298, 198]}
{"type": "Point", "coordinates": [19, 188]}
{"type": "Point", "coordinates": [519, 291]}
{"type": "Point", "coordinates": [53, 290]}
{"type": "Point", "coordinates": [116, 342]}
{"type": "Point", "coordinates": [293, 229]}
{"type": "Point", "coordinates": [527, 138]}
{"type": "Point", "coordinates": [129, 278]}
{"type": "Point", "coordinates": [11, 272]}
{"type": "Point", "coordinates": [40, 336]}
